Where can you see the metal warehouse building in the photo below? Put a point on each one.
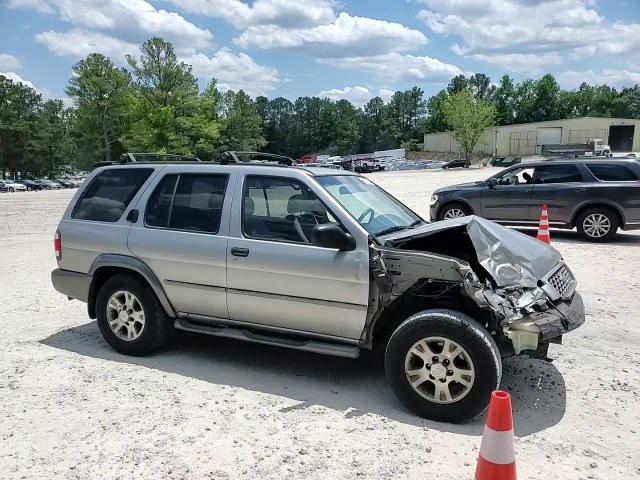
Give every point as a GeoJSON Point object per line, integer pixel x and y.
{"type": "Point", "coordinates": [622, 134]}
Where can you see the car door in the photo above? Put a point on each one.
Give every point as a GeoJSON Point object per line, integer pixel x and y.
{"type": "Point", "coordinates": [182, 234]}
{"type": "Point", "coordinates": [276, 277]}
{"type": "Point", "coordinates": [561, 187]}
{"type": "Point", "coordinates": [507, 199]}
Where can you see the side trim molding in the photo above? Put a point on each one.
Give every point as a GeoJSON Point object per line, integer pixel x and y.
{"type": "Point", "coordinates": [253, 293]}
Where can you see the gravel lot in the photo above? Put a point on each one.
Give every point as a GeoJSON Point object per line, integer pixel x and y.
{"type": "Point", "coordinates": [70, 407]}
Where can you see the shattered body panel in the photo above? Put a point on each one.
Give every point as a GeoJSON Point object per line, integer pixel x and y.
{"type": "Point", "coordinates": [523, 283]}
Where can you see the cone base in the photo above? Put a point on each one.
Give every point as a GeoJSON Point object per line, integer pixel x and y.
{"type": "Point", "coordinates": [494, 471]}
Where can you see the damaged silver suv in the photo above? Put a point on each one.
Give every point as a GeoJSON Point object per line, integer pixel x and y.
{"type": "Point", "coordinates": [317, 260]}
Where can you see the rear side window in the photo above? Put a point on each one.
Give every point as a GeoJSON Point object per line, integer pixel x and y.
{"type": "Point", "coordinates": [557, 174]}
{"type": "Point", "coordinates": [108, 195]}
{"type": "Point", "coordinates": [612, 173]}
{"type": "Point", "coordinates": [190, 202]}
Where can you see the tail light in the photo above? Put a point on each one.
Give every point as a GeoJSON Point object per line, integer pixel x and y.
{"type": "Point", "coordinates": [57, 245]}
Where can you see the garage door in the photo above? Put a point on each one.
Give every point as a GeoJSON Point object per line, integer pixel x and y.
{"type": "Point", "coordinates": [548, 136]}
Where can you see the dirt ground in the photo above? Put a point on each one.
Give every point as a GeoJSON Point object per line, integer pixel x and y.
{"type": "Point", "coordinates": [70, 407]}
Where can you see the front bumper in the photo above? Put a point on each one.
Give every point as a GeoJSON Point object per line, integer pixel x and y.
{"type": "Point", "coordinates": [72, 284]}
{"type": "Point", "coordinates": [539, 328]}
{"type": "Point", "coordinates": [433, 212]}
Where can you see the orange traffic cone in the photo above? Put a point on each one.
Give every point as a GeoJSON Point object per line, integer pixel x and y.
{"type": "Point", "coordinates": [497, 460]}
{"type": "Point", "coordinates": [543, 228]}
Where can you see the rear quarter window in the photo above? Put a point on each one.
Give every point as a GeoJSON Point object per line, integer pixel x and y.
{"type": "Point", "coordinates": [108, 195]}
{"type": "Point", "coordinates": [612, 173]}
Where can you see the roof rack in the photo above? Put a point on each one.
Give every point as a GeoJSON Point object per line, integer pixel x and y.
{"type": "Point", "coordinates": [232, 156]}
{"type": "Point", "coordinates": [130, 157]}
{"type": "Point", "coordinates": [225, 158]}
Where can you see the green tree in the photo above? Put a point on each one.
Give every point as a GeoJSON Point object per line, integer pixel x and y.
{"type": "Point", "coordinates": [165, 100]}
{"type": "Point", "coordinates": [241, 122]}
{"type": "Point", "coordinates": [100, 93]}
{"type": "Point", "coordinates": [468, 117]}
{"type": "Point", "coordinates": [504, 97]}
{"type": "Point", "coordinates": [19, 107]}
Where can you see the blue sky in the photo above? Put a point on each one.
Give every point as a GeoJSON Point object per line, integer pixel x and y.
{"type": "Point", "coordinates": [352, 49]}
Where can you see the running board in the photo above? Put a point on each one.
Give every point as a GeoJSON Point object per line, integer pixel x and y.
{"type": "Point", "coordinates": [325, 348]}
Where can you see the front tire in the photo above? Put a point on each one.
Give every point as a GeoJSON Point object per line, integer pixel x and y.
{"type": "Point", "coordinates": [453, 210]}
{"type": "Point", "coordinates": [442, 365]}
{"type": "Point", "coordinates": [130, 316]}
{"type": "Point", "coordinates": [597, 224]}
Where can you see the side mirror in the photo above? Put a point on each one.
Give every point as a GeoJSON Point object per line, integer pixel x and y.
{"type": "Point", "coordinates": [493, 182]}
{"type": "Point", "coordinates": [329, 235]}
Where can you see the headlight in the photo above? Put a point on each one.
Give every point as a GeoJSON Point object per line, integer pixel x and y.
{"type": "Point", "coordinates": [434, 198]}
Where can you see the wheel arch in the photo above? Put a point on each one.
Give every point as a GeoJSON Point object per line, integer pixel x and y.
{"type": "Point", "coordinates": [107, 265]}
{"type": "Point", "coordinates": [410, 304]}
{"type": "Point", "coordinates": [598, 204]}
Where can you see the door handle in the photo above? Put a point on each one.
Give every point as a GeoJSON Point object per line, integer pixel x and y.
{"type": "Point", "coordinates": [240, 252]}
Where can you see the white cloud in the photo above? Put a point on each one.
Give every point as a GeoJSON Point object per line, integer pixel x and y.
{"type": "Point", "coordinates": [522, 62]}
{"type": "Point", "coordinates": [9, 62]}
{"type": "Point", "coordinates": [395, 66]}
{"type": "Point", "coordinates": [125, 21]}
{"type": "Point", "coordinates": [234, 72]}
{"type": "Point", "coordinates": [80, 43]}
{"type": "Point", "coordinates": [284, 13]}
{"type": "Point", "coordinates": [606, 76]}
{"type": "Point", "coordinates": [41, 6]}
{"type": "Point", "coordinates": [346, 37]}
{"type": "Point", "coordinates": [555, 30]}
{"type": "Point", "coordinates": [18, 79]}
{"type": "Point", "coordinates": [357, 95]}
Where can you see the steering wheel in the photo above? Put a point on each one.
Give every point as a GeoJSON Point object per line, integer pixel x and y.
{"type": "Point", "coordinates": [368, 211]}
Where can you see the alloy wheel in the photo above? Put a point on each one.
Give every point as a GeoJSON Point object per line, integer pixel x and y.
{"type": "Point", "coordinates": [440, 370]}
{"type": "Point", "coordinates": [454, 213]}
{"type": "Point", "coordinates": [125, 315]}
{"type": "Point", "coordinates": [596, 225]}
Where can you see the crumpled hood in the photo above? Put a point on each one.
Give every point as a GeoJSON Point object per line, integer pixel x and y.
{"type": "Point", "coordinates": [513, 259]}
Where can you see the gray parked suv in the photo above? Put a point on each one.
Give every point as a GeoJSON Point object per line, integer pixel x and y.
{"type": "Point", "coordinates": [312, 259]}
{"type": "Point", "coordinates": [595, 196]}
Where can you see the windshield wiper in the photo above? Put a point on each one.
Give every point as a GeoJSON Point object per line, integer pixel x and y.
{"type": "Point", "coordinates": [395, 228]}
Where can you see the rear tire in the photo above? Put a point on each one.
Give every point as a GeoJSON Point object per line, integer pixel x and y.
{"type": "Point", "coordinates": [598, 224]}
{"type": "Point", "coordinates": [478, 354]}
{"type": "Point", "coordinates": [127, 334]}
{"type": "Point", "coordinates": [453, 210]}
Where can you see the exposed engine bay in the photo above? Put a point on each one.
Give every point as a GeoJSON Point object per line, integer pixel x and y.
{"type": "Point", "coordinates": [524, 288]}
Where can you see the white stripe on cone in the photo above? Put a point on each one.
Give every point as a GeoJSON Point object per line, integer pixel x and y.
{"type": "Point", "coordinates": [497, 447]}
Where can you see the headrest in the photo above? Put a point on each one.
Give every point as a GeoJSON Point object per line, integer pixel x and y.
{"type": "Point", "coordinates": [248, 206]}
{"type": "Point", "coordinates": [215, 200]}
{"type": "Point", "coordinates": [298, 204]}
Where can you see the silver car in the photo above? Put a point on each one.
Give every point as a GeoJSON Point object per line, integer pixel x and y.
{"type": "Point", "coordinates": [312, 259]}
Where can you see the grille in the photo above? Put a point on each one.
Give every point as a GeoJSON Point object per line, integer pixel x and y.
{"type": "Point", "coordinates": [562, 280]}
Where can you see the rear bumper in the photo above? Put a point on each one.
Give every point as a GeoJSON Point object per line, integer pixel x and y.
{"type": "Point", "coordinates": [72, 284]}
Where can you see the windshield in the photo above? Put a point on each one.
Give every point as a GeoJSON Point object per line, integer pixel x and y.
{"type": "Point", "coordinates": [376, 210]}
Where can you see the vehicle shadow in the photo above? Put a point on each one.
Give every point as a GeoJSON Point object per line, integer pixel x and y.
{"type": "Point", "coordinates": [355, 387]}
{"type": "Point", "coordinates": [571, 236]}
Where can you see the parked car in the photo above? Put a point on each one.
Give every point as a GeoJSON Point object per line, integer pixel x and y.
{"type": "Point", "coordinates": [435, 164]}
{"type": "Point", "coordinates": [31, 184]}
{"type": "Point", "coordinates": [50, 185]}
{"type": "Point", "coordinates": [65, 183]}
{"type": "Point", "coordinates": [595, 196]}
{"type": "Point", "coordinates": [458, 163]}
{"type": "Point", "coordinates": [11, 186]}
{"type": "Point", "coordinates": [505, 161]}
{"type": "Point", "coordinates": [312, 259]}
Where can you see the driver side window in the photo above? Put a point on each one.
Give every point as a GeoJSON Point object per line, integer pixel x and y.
{"type": "Point", "coordinates": [519, 176]}
{"type": "Point", "coordinates": [281, 209]}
